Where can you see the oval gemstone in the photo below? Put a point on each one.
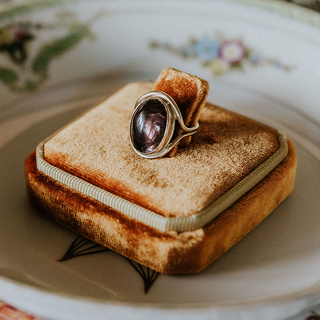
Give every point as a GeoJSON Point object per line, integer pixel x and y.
{"type": "Point", "coordinates": [149, 125]}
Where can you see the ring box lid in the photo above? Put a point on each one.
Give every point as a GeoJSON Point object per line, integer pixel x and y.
{"type": "Point", "coordinates": [225, 152]}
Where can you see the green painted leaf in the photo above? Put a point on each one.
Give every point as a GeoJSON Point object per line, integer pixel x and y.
{"type": "Point", "coordinates": [30, 85]}
{"type": "Point", "coordinates": [56, 48]}
{"type": "Point", "coordinates": [21, 9]}
{"type": "Point", "coordinates": [8, 76]}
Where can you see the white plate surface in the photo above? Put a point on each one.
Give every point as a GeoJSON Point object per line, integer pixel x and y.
{"type": "Point", "coordinates": [275, 270]}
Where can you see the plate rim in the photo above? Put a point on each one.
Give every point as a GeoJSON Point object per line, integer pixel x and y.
{"type": "Point", "coordinates": [286, 9]}
{"type": "Point", "coordinates": [306, 293]}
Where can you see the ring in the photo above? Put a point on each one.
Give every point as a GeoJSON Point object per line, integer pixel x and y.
{"type": "Point", "coordinates": [152, 125]}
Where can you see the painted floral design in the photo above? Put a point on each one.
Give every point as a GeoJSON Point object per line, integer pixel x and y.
{"type": "Point", "coordinates": [13, 39]}
{"type": "Point", "coordinates": [314, 316]}
{"type": "Point", "coordinates": [148, 275]}
{"type": "Point", "coordinates": [310, 4]}
{"type": "Point", "coordinates": [28, 57]}
{"type": "Point", "coordinates": [221, 55]}
{"type": "Point", "coordinates": [8, 312]}
{"type": "Point", "coordinates": [82, 246]}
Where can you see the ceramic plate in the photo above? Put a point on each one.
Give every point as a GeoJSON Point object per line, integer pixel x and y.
{"type": "Point", "coordinates": [59, 58]}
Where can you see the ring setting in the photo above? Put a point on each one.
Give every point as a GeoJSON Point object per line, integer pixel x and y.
{"type": "Point", "coordinates": [153, 123]}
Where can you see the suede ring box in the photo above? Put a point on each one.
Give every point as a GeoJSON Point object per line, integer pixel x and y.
{"type": "Point", "coordinates": [175, 214]}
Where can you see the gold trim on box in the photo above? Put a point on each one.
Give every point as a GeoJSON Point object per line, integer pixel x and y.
{"type": "Point", "coordinates": [151, 218]}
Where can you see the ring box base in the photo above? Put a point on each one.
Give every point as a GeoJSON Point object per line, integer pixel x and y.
{"type": "Point", "coordinates": [163, 251]}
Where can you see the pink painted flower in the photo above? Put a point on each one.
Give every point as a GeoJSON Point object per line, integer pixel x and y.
{"type": "Point", "coordinates": [315, 316]}
{"type": "Point", "coordinates": [232, 51]}
{"type": "Point", "coordinates": [19, 33]}
{"type": "Point", "coordinates": [9, 312]}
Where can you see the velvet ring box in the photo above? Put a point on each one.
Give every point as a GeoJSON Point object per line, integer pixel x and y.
{"type": "Point", "coordinates": [174, 214]}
